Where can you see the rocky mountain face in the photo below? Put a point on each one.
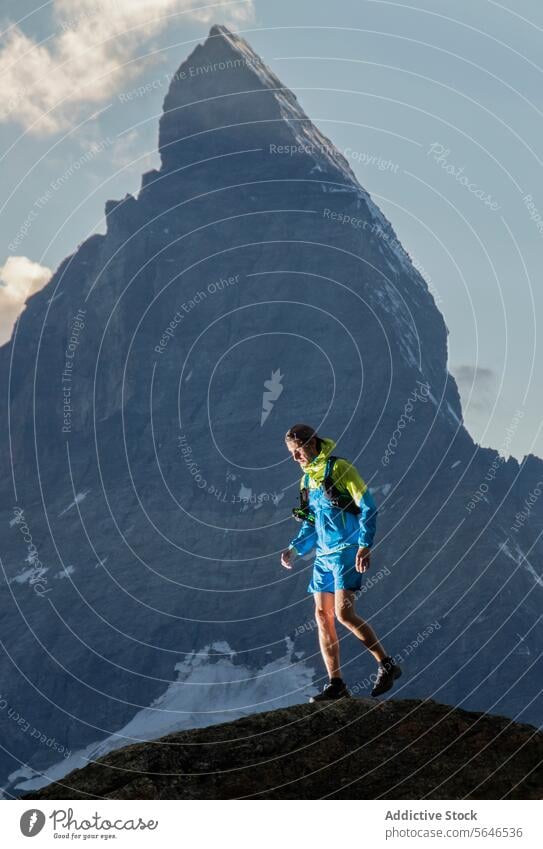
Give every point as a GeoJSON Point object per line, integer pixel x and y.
{"type": "Point", "coordinates": [145, 489]}
{"type": "Point", "coordinates": [351, 749]}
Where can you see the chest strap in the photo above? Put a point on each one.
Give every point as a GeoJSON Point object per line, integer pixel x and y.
{"type": "Point", "coordinates": [342, 501]}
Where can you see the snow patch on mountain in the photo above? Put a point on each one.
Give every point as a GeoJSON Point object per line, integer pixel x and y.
{"type": "Point", "coordinates": [518, 556]}
{"type": "Point", "coordinates": [80, 496]}
{"type": "Point", "coordinates": [209, 677]}
{"type": "Point", "coordinates": [64, 573]}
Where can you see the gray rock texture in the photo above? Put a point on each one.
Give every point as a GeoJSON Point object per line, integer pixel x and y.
{"type": "Point", "coordinates": [353, 749]}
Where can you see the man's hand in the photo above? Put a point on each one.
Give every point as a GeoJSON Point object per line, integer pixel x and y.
{"type": "Point", "coordinates": [287, 557]}
{"type": "Point", "coordinates": [362, 559]}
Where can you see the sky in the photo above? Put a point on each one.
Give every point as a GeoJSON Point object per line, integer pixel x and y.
{"type": "Point", "coordinates": [438, 107]}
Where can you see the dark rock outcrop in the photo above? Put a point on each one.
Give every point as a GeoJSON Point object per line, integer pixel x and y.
{"type": "Point", "coordinates": [355, 749]}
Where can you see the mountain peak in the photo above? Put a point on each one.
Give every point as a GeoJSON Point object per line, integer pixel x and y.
{"type": "Point", "coordinates": [224, 99]}
{"type": "Point", "coordinates": [234, 42]}
{"type": "Point", "coordinates": [219, 29]}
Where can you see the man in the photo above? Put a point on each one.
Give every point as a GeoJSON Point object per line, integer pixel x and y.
{"type": "Point", "coordinates": [338, 517]}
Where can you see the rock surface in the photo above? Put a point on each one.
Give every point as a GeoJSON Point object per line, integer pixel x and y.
{"type": "Point", "coordinates": [355, 749]}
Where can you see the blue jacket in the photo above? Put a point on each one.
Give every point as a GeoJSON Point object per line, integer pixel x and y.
{"type": "Point", "coordinates": [335, 529]}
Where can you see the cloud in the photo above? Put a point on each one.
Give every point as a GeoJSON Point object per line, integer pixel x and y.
{"type": "Point", "coordinates": [19, 278]}
{"type": "Point", "coordinates": [477, 382]}
{"type": "Point", "coordinates": [89, 57]}
{"type": "Point", "coordinates": [128, 155]}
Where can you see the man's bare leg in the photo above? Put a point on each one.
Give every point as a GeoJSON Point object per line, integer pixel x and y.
{"type": "Point", "coordinates": [347, 615]}
{"type": "Point", "coordinates": [324, 615]}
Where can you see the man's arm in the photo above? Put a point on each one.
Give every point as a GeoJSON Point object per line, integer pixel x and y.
{"type": "Point", "coordinates": [305, 540]}
{"type": "Point", "coordinates": [301, 544]}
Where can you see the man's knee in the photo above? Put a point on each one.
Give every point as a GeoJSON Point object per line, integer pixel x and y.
{"type": "Point", "coordinates": [345, 612]}
{"type": "Point", "coordinates": [324, 616]}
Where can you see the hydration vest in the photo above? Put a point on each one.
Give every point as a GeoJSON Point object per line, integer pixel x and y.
{"type": "Point", "coordinates": [337, 499]}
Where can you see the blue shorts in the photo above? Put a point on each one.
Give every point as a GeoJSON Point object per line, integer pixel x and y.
{"type": "Point", "coordinates": [336, 571]}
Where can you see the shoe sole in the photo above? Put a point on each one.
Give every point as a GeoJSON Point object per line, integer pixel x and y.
{"type": "Point", "coordinates": [315, 700]}
{"type": "Point", "coordinates": [397, 674]}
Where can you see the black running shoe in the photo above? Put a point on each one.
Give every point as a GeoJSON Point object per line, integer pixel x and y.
{"type": "Point", "coordinates": [332, 691]}
{"type": "Point", "coordinates": [387, 673]}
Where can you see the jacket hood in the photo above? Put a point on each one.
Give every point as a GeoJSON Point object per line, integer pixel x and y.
{"type": "Point", "coordinates": [316, 468]}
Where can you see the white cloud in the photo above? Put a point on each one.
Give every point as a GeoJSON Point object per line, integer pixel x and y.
{"type": "Point", "coordinates": [478, 382]}
{"type": "Point", "coordinates": [128, 155]}
{"type": "Point", "coordinates": [19, 278]}
{"type": "Point", "coordinates": [89, 58]}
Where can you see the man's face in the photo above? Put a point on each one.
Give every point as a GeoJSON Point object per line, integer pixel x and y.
{"type": "Point", "coordinates": [303, 454]}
